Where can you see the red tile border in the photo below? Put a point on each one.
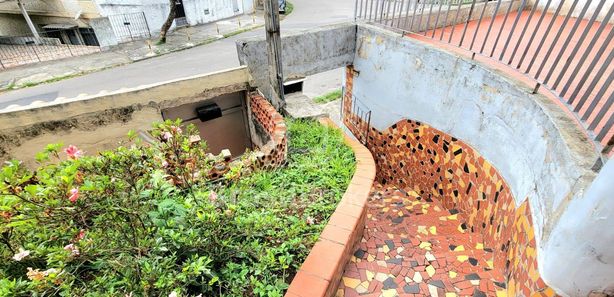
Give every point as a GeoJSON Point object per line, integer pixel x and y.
{"type": "Point", "coordinates": [322, 270]}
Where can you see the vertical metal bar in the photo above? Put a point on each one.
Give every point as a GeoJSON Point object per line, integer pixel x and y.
{"type": "Point", "coordinates": [460, 2]}
{"type": "Point", "coordinates": [376, 10]}
{"type": "Point", "coordinates": [400, 16]}
{"type": "Point", "coordinates": [355, 9]}
{"type": "Point", "coordinates": [460, 44]}
{"type": "Point", "coordinates": [567, 40]}
{"type": "Point", "coordinates": [387, 12]}
{"type": "Point", "coordinates": [146, 24]}
{"type": "Point", "coordinates": [492, 21]}
{"type": "Point", "coordinates": [437, 18]}
{"type": "Point", "coordinates": [394, 11]}
{"type": "Point", "coordinates": [541, 42]}
{"type": "Point", "coordinates": [524, 30]}
{"type": "Point", "coordinates": [381, 16]}
{"type": "Point", "coordinates": [421, 14]}
{"type": "Point", "coordinates": [407, 15]}
{"type": "Point", "coordinates": [360, 12]}
{"type": "Point", "coordinates": [539, 22]}
{"type": "Point", "coordinates": [477, 28]}
{"type": "Point", "coordinates": [445, 21]}
{"type": "Point", "coordinates": [581, 41]}
{"type": "Point", "coordinates": [509, 37]}
{"type": "Point", "coordinates": [556, 39]}
{"type": "Point", "coordinates": [607, 127]}
{"type": "Point", "coordinates": [606, 105]}
{"type": "Point", "coordinates": [593, 84]}
{"type": "Point", "coordinates": [371, 10]}
{"type": "Point", "coordinates": [428, 19]}
{"type": "Point", "coordinates": [411, 25]}
{"type": "Point", "coordinates": [588, 71]}
{"type": "Point", "coordinates": [507, 14]}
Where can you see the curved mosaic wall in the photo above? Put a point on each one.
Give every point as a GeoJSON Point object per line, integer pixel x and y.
{"type": "Point", "coordinates": [411, 154]}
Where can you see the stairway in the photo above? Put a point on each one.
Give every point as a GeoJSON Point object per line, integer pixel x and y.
{"type": "Point", "coordinates": [415, 247]}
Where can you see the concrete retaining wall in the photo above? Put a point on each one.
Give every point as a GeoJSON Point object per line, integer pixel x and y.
{"type": "Point", "coordinates": [98, 122]}
{"type": "Point", "coordinates": [543, 156]}
{"type": "Point", "coordinates": [303, 53]}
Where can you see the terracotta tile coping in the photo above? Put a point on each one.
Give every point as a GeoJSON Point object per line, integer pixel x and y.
{"type": "Point", "coordinates": [322, 270]}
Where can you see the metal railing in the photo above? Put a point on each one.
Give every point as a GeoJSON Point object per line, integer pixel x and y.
{"type": "Point", "coordinates": [568, 55]}
{"type": "Point", "coordinates": [357, 118]}
{"type": "Point", "coordinates": [21, 50]}
{"type": "Point", "coordinates": [130, 26]}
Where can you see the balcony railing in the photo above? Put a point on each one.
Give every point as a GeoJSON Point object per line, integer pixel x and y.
{"type": "Point", "coordinates": [565, 46]}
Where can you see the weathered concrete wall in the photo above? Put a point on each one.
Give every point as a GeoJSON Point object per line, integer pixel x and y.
{"type": "Point", "coordinates": [303, 53]}
{"type": "Point", "coordinates": [543, 156]}
{"type": "Point", "coordinates": [578, 257]}
{"type": "Point", "coordinates": [98, 122]}
{"type": "Point", "coordinates": [104, 32]}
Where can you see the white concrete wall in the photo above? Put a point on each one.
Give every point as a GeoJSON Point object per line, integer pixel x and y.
{"type": "Point", "coordinates": [566, 8]}
{"type": "Point", "coordinates": [579, 256]}
{"type": "Point", "coordinates": [156, 11]}
{"type": "Point", "coordinates": [540, 152]}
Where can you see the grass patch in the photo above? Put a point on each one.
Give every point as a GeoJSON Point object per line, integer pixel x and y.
{"type": "Point", "coordinates": [328, 97]}
{"type": "Point", "coordinates": [289, 8]}
{"type": "Point", "coordinates": [136, 220]}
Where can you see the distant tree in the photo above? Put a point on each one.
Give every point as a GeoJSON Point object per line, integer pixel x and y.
{"type": "Point", "coordinates": [169, 21]}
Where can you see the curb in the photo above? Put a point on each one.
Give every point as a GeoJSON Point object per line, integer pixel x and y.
{"type": "Point", "coordinates": [321, 272]}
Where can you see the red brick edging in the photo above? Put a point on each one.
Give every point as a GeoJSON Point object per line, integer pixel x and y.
{"type": "Point", "coordinates": [322, 270]}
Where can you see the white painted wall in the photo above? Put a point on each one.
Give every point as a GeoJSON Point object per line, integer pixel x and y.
{"type": "Point", "coordinates": [156, 11]}
{"type": "Point", "coordinates": [579, 257]}
{"type": "Point", "coordinates": [566, 8]}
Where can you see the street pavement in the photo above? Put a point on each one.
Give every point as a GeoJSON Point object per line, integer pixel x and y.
{"type": "Point", "coordinates": [208, 58]}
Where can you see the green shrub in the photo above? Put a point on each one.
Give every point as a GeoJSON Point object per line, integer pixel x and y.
{"type": "Point", "coordinates": [141, 221]}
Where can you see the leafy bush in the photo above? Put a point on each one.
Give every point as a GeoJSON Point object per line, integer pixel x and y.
{"type": "Point", "coordinates": [140, 220]}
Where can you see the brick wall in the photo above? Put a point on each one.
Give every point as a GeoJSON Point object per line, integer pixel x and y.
{"type": "Point", "coordinates": [274, 152]}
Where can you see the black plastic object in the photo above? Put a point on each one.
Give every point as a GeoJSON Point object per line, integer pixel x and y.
{"type": "Point", "coordinates": [208, 112]}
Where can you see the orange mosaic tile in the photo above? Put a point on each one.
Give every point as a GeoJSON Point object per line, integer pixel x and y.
{"type": "Point", "coordinates": [444, 170]}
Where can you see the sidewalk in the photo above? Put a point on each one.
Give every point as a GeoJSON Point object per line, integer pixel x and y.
{"type": "Point", "coordinates": [180, 39]}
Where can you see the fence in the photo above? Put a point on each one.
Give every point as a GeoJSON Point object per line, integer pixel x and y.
{"type": "Point", "coordinates": [16, 51]}
{"type": "Point", "coordinates": [130, 26]}
{"type": "Point", "coordinates": [569, 56]}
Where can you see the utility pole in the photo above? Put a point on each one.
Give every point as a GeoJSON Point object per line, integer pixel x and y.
{"type": "Point", "coordinates": [29, 21]}
{"type": "Point", "coordinates": [276, 78]}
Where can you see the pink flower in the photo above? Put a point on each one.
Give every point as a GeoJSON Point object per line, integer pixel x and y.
{"type": "Point", "coordinates": [73, 152]}
{"type": "Point", "coordinates": [81, 235]}
{"type": "Point", "coordinates": [164, 164]}
{"type": "Point", "coordinates": [176, 129]}
{"type": "Point", "coordinates": [167, 135]}
{"type": "Point", "coordinates": [173, 294]}
{"type": "Point", "coordinates": [22, 254]}
{"type": "Point", "coordinates": [73, 249]}
{"type": "Point", "coordinates": [310, 221]}
{"type": "Point", "coordinates": [74, 195]}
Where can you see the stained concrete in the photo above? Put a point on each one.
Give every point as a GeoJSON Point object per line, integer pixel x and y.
{"type": "Point", "coordinates": [100, 121]}
{"type": "Point", "coordinates": [303, 53]}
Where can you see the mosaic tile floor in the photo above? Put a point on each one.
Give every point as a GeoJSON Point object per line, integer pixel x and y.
{"type": "Point", "coordinates": [414, 247]}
